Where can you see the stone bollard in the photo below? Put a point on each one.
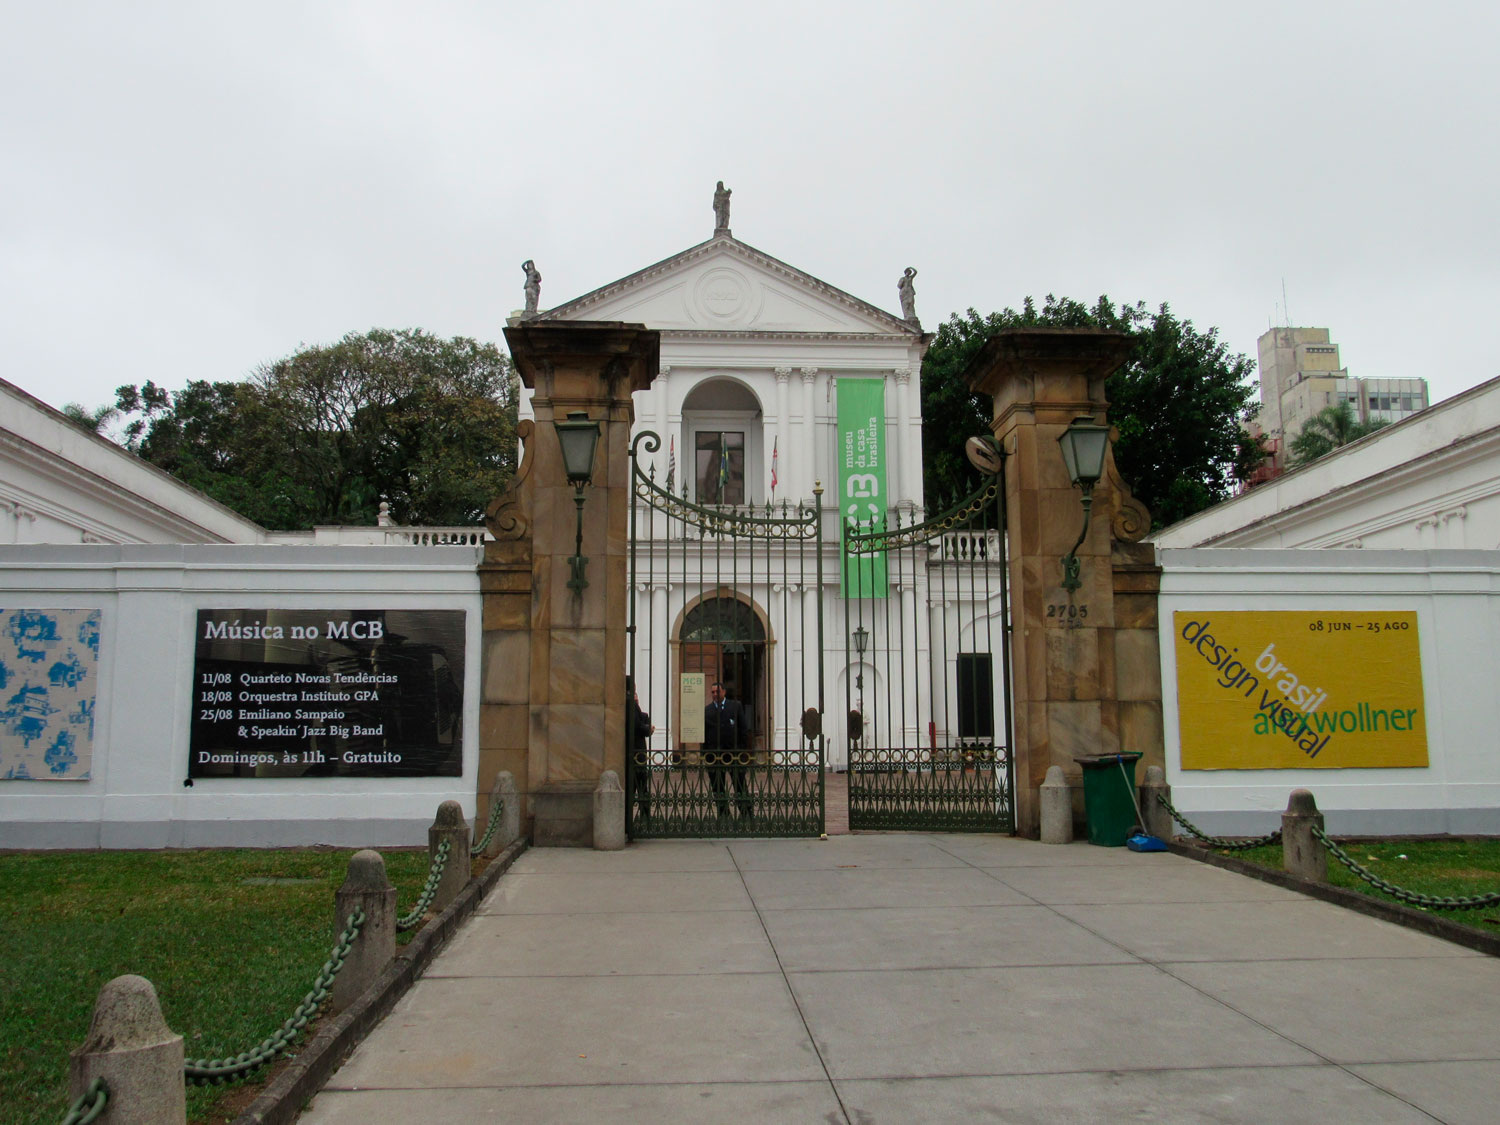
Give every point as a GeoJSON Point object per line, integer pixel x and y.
{"type": "Point", "coordinates": [609, 813]}
{"type": "Point", "coordinates": [1056, 808]}
{"type": "Point", "coordinates": [131, 1047]}
{"type": "Point", "coordinates": [449, 825]}
{"type": "Point", "coordinates": [509, 828]}
{"type": "Point", "coordinates": [1158, 819]}
{"type": "Point", "coordinates": [1303, 854]}
{"type": "Point", "coordinates": [365, 888]}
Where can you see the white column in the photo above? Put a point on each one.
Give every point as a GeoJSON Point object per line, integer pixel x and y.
{"type": "Point", "coordinates": [783, 669]}
{"type": "Point", "coordinates": [807, 448]}
{"type": "Point", "coordinates": [659, 393]}
{"type": "Point", "coordinates": [902, 460]}
{"type": "Point", "coordinates": [653, 663]}
{"type": "Point", "coordinates": [640, 593]}
{"type": "Point", "coordinates": [783, 430]}
{"type": "Point", "coordinates": [659, 421]}
{"type": "Point", "coordinates": [913, 673]}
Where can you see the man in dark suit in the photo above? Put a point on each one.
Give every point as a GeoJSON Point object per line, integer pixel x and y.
{"type": "Point", "coordinates": [639, 725]}
{"type": "Point", "coordinates": [724, 740]}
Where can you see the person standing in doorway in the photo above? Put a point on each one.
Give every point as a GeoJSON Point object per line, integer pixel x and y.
{"type": "Point", "coordinates": [641, 729]}
{"type": "Point", "coordinates": [723, 742]}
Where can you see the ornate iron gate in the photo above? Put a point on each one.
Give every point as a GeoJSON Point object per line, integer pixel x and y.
{"type": "Point", "coordinates": [927, 748]}
{"type": "Point", "coordinates": [732, 594]}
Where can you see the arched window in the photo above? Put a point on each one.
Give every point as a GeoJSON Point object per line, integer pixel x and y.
{"type": "Point", "coordinates": [722, 422]}
{"type": "Point", "coordinates": [724, 620]}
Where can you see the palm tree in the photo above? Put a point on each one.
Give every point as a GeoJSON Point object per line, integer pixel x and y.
{"type": "Point", "coordinates": [93, 421]}
{"type": "Point", "coordinates": [1330, 428]}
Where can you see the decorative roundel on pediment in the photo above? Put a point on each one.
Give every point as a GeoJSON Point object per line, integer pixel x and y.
{"type": "Point", "coordinates": [727, 296]}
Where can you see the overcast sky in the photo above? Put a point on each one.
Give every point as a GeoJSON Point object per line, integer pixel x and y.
{"type": "Point", "coordinates": [192, 189]}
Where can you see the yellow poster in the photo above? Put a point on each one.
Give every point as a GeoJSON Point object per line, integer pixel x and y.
{"type": "Point", "coordinates": [1293, 690]}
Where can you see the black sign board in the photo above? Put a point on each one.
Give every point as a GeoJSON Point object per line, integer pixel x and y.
{"type": "Point", "coordinates": [328, 693]}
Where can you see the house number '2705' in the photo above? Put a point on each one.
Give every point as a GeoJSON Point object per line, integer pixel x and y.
{"type": "Point", "coordinates": [1066, 614]}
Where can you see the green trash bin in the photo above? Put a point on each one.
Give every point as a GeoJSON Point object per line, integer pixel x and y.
{"type": "Point", "coordinates": [1109, 797]}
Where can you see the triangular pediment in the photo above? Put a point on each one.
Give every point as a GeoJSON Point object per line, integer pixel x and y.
{"type": "Point", "coordinates": [724, 285]}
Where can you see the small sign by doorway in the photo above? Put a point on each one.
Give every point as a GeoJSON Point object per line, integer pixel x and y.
{"type": "Point", "coordinates": [694, 702]}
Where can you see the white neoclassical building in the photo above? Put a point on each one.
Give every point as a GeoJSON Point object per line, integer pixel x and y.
{"type": "Point", "coordinates": [756, 349]}
{"type": "Point", "coordinates": [773, 385]}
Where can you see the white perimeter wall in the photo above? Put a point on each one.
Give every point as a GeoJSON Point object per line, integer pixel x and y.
{"type": "Point", "coordinates": [149, 597]}
{"type": "Point", "coordinates": [1456, 596]}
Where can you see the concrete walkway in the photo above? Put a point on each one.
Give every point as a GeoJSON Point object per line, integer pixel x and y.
{"type": "Point", "coordinates": [914, 978]}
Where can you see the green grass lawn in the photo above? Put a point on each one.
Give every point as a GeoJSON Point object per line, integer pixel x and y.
{"type": "Point", "coordinates": [231, 939]}
{"type": "Point", "coordinates": [1447, 867]}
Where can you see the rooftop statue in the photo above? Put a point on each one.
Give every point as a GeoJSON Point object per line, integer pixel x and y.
{"type": "Point", "coordinates": [908, 294]}
{"type": "Point", "coordinates": [533, 287]}
{"type": "Point", "coordinates": [721, 208]}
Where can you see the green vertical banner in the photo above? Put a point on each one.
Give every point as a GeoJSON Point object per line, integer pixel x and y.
{"type": "Point", "coordinates": [862, 495]}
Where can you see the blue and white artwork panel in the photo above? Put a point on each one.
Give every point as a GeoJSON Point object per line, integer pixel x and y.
{"type": "Point", "coordinates": [49, 675]}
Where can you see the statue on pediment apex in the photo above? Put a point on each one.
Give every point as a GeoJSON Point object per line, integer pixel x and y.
{"type": "Point", "coordinates": [721, 208]}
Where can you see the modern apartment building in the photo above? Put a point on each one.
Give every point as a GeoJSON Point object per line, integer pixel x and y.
{"type": "Point", "coordinates": [1301, 374]}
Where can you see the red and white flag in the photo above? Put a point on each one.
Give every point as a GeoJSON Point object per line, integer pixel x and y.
{"type": "Point", "coordinates": [671, 461]}
{"type": "Point", "coordinates": [775, 450]}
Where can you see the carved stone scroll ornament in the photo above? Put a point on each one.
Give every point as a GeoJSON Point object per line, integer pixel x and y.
{"type": "Point", "coordinates": [1130, 521]}
{"type": "Point", "coordinates": [984, 455]}
{"type": "Point", "coordinates": [508, 515]}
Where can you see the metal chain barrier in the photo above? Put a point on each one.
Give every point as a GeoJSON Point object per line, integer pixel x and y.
{"type": "Point", "coordinates": [1413, 898]}
{"type": "Point", "coordinates": [1216, 841]}
{"type": "Point", "coordinates": [489, 830]}
{"type": "Point", "coordinates": [89, 1105]}
{"type": "Point", "coordinates": [206, 1072]}
{"type": "Point", "coordinates": [434, 876]}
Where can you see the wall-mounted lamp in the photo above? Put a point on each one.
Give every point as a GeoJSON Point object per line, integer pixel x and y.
{"type": "Point", "coordinates": [1084, 444]}
{"type": "Point", "coordinates": [579, 438]}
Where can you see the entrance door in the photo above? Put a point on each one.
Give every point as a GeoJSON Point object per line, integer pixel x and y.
{"type": "Point", "coordinates": [724, 638]}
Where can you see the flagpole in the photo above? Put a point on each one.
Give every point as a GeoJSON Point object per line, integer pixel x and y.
{"type": "Point", "coordinates": [723, 466]}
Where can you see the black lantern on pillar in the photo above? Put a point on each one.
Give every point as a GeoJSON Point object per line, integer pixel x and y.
{"type": "Point", "coordinates": [861, 640]}
{"type": "Point", "coordinates": [579, 438]}
{"type": "Point", "coordinates": [1084, 444]}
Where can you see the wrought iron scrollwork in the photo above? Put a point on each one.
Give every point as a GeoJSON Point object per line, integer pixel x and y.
{"type": "Point", "coordinates": [800, 522]}
{"type": "Point", "coordinates": [955, 518]}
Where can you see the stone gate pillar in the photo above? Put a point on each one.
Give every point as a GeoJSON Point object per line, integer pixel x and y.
{"type": "Point", "coordinates": [1085, 663]}
{"type": "Point", "coordinates": [554, 659]}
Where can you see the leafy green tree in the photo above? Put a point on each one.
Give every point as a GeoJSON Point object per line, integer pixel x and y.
{"type": "Point", "coordinates": [1179, 403]}
{"type": "Point", "coordinates": [1328, 429]}
{"type": "Point", "coordinates": [322, 436]}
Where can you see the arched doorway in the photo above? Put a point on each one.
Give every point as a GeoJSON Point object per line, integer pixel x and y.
{"type": "Point", "coordinates": [724, 637]}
